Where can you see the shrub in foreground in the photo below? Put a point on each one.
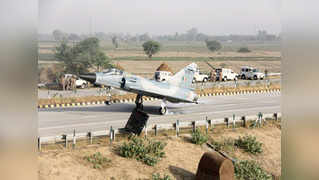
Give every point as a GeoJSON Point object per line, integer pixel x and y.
{"type": "Point", "coordinates": [225, 145]}
{"type": "Point", "coordinates": [249, 144]}
{"type": "Point", "coordinates": [157, 176]}
{"type": "Point", "coordinates": [198, 137]}
{"type": "Point", "coordinates": [144, 150]}
{"type": "Point", "coordinates": [250, 170]}
{"type": "Point", "coordinates": [98, 160]}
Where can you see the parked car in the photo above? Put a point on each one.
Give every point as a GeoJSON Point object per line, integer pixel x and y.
{"type": "Point", "coordinates": [79, 82]}
{"type": "Point", "coordinates": [200, 77]}
{"type": "Point", "coordinates": [227, 74]}
{"type": "Point", "coordinates": [251, 73]}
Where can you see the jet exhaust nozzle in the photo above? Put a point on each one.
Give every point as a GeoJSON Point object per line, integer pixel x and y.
{"type": "Point", "coordinates": [91, 77]}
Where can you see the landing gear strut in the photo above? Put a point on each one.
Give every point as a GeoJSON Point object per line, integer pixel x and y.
{"type": "Point", "coordinates": [163, 109]}
{"type": "Point", "coordinates": [139, 102]}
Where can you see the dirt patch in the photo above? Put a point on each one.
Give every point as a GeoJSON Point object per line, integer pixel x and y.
{"type": "Point", "coordinates": [180, 162]}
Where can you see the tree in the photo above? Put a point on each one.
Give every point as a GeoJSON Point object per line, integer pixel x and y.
{"type": "Point", "coordinates": [115, 42]}
{"type": "Point", "coordinates": [85, 54]}
{"type": "Point", "coordinates": [144, 37]}
{"type": "Point", "coordinates": [101, 61]}
{"type": "Point", "coordinates": [65, 53]}
{"type": "Point", "coordinates": [74, 37]}
{"type": "Point", "coordinates": [191, 34]}
{"type": "Point", "coordinates": [151, 47]}
{"type": "Point", "coordinates": [213, 45]}
{"type": "Point", "coordinates": [59, 35]}
{"type": "Point", "coordinates": [90, 54]}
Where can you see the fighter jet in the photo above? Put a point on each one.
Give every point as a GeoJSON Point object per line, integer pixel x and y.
{"type": "Point", "coordinates": [177, 89]}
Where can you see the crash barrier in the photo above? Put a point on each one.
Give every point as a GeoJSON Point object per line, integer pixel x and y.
{"type": "Point", "coordinates": [243, 83]}
{"type": "Point", "coordinates": [110, 133]}
{"type": "Point", "coordinates": [152, 99]}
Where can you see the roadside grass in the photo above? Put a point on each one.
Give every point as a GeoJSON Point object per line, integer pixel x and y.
{"type": "Point", "coordinates": [157, 176]}
{"type": "Point", "coordinates": [147, 151]}
{"type": "Point", "coordinates": [249, 144]}
{"type": "Point", "coordinates": [98, 160]}
{"type": "Point", "coordinates": [198, 137]}
{"type": "Point", "coordinates": [250, 170]}
{"type": "Point", "coordinates": [226, 145]}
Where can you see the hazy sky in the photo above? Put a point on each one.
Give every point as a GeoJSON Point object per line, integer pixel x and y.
{"type": "Point", "coordinates": [213, 17]}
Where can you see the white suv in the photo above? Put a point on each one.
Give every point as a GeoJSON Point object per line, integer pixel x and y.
{"type": "Point", "coordinates": [227, 74]}
{"type": "Point", "coordinates": [200, 77]}
{"type": "Point", "coordinates": [251, 73]}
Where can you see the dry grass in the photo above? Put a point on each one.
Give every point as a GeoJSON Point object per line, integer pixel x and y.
{"type": "Point", "coordinates": [270, 158]}
{"type": "Point", "coordinates": [181, 159]}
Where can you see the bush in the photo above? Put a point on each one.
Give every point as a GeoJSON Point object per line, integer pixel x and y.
{"type": "Point", "coordinates": [157, 176]}
{"type": "Point", "coordinates": [98, 160]}
{"type": "Point", "coordinates": [243, 50]}
{"type": "Point", "coordinates": [250, 170]}
{"type": "Point", "coordinates": [151, 47]}
{"type": "Point", "coordinates": [225, 145]}
{"type": "Point", "coordinates": [213, 45]}
{"type": "Point", "coordinates": [249, 144]}
{"type": "Point", "coordinates": [198, 137]}
{"type": "Point", "coordinates": [145, 150]}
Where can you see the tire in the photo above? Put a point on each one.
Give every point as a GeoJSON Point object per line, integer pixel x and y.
{"type": "Point", "coordinates": [163, 111]}
{"type": "Point", "coordinates": [243, 76]}
{"type": "Point", "coordinates": [108, 102]}
{"type": "Point", "coordinates": [255, 77]}
{"type": "Point", "coordinates": [194, 80]}
{"type": "Point", "coordinates": [205, 80]}
{"type": "Point", "coordinates": [83, 86]}
{"type": "Point", "coordinates": [235, 78]}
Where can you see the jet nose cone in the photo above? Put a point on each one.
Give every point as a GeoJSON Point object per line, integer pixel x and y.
{"type": "Point", "coordinates": [91, 77]}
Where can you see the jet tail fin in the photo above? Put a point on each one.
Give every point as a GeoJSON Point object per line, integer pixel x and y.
{"type": "Point", "coordinates": [184, 77]}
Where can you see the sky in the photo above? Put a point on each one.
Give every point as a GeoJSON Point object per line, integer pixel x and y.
{"type": "Point", "coordinates": [212, 17]}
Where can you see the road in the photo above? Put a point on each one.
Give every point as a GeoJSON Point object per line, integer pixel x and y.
{"type": "Point", "coordinates": [100, 117]}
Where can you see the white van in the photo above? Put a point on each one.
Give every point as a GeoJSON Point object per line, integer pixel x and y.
{"type": "Point", "coordinates": [227, 74]}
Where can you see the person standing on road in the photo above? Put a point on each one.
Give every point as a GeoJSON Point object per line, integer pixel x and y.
{"type": "Point", "coordinates": [62, 82]}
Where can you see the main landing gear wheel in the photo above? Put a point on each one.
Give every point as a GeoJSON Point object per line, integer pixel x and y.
{"type": "Point", "coordinates": [163, 110]}
{"type": "Point", "coordinates": [139, 102]}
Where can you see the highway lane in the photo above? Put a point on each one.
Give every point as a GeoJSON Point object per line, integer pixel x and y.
{"type": "Point", "coordinates": [100, 117]}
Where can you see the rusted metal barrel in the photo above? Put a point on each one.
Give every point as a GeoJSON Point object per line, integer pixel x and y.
{"type": "Point", "coordinates": [213, 166]}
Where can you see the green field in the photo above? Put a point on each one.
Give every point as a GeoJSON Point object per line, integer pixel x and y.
{"type": "Point", "coordinates": [46, 50]}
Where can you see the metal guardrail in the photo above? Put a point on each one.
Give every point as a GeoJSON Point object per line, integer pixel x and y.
{"type": "Point", "coordinates": [156, 127]}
